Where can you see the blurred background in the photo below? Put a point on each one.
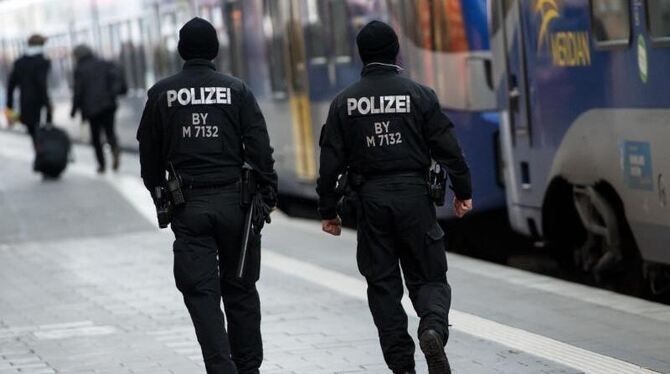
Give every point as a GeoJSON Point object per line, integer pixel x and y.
{"type": "Point", "coordinates": [545, 96]}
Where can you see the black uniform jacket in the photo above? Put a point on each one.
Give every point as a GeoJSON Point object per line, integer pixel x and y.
{"type": "Point", "coordinates": [387, 124]}
{"type": "Point", "coordinates": [30, 76]}
{"type": "Point", "coordinates": [206, 124]}
{"type": "Point", "coordinates": [94, 91]}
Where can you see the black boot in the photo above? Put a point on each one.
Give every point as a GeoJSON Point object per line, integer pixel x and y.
{"type": "Point", "coordinates": [433, 348]}
{"type": "Point", "coordinates": [404, 372]}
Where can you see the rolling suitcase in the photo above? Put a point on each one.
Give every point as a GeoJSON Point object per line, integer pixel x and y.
{"type": "Point", "coordinates": [52, 151]}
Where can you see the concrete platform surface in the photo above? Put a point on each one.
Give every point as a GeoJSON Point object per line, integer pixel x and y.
{"type": "Point", "coordinates": [86, 287]}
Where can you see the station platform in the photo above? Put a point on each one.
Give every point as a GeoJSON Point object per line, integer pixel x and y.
{"type": "Point", "coordinates": [86, 286]}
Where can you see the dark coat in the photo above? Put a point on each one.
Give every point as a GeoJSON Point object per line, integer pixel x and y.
{"type": "Point", "coordinates": [29, 75]}
{"type": "Point", "coordinates": [383, 125]}
{"type": "Point", "coordinates": [208, 125]}
{"type": "Point", "coordinates": [95, 90]}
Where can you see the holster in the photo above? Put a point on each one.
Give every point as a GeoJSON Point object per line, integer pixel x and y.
{"type": "Point", "coordinates": [163, 207]}
{"type": "Point", "coordinates": [174, 187]}
{"type": "Point", "coordinates": [349, 204]}
{"type": "Point", "coordinates": [437, 184]}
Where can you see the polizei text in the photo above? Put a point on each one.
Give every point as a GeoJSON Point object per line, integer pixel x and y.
{"type": "Point", "coordinates": [378, 105]}
{"type": "Point", "coordinates": [199, 96]}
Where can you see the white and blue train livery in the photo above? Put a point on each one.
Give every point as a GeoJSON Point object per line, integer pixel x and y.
{"type": "Point", "coordinates": [585, 124]}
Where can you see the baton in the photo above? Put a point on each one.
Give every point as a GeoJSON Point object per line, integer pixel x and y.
{"type": "Point", "coordinates": [245, 242]}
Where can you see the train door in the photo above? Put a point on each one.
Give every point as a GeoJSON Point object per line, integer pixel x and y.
{"type": "Point", "coordinates": [512, 84]}
{"type": "Point", "coordinates": [516, 72]}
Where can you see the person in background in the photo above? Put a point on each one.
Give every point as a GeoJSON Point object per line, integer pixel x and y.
{"type": "Point", "coordinates": [97, 85]}
{"type": "Point", "coordinates": [29, 75]}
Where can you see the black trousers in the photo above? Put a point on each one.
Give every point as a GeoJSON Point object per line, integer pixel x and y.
{"type": "Point", "coordinates": [208, 232]}
{"type": "Point", "coordinates": [31, 117]}
{"type": "Point", "coordinates": [32, 131]}
{"type": "Point", "coordinates": [99, 123]}
{"type": "Point", "coordinates": [397, 227]}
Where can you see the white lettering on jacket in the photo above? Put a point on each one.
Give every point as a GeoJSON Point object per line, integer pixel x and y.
{"type": "Point", "coordinates": [199, 96]}
{"type": "Point", "coordinates": [378, 105]}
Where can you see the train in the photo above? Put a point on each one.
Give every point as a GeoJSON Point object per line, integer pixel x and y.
{"type": "Point", "coordinates": [584, 120]}
{"type": "Point", "coordinates": [296, 55]}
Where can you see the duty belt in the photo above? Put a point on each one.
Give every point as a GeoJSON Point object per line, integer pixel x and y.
{"type": "Point", "coordinates": [217, 187]}
{"type": "Point", "coordinates": [406, 174]}
{"type": "Point", "coordinates": [228, 184]}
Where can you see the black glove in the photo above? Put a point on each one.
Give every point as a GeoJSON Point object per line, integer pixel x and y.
{"type": "Point", "coordinates": [269, 196]}
{"type": "Point", "coordinates": [261, 213]}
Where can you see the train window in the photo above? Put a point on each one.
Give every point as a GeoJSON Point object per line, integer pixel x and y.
{"type": "Point", "coordinates": [140, 62]}
{"type": "Point", "coordinates": [130, 54]}
{"type": "Point", "coordinates": [658, 20]}
{"type": "Point", "coordinates": [222, 60]}
{"type": "Point", "coordinates": [235, 26]}
{"type": "Point", "coordinates": [273, 28]}
{"type": "Point", "coordinates": [497, 13]}
{"type": "Point", "coordinates": [448, 27]}
{"type": "Point", "coordinates": [340, 23]}
{"type": "Point", "coordinates": [166, 57]}
{"type": "Point", "coordinates": [493, 16]}
{"type": "Point", "coordinates": [401, 16]}
{"type": "Point", "coordinates": [315, 32]}
{"type": "Point", "coordinates": [610, 22]}
{"type": "Point", "coordinates": [435, 25]}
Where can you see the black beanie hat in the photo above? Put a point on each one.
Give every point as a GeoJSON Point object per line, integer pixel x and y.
{"type": "Point", "coordinates": [377, 42]}
{"type": "Point", "coordinates": [198, 39]}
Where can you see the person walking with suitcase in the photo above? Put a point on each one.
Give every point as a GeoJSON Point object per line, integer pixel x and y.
{"type": "Point", "coordinates": [97, 85]}
{"type": "Point", "coordinates": [29, 75]}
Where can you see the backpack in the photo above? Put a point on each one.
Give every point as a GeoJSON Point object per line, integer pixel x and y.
{"type": "Point", "coordinates": [117, 79]}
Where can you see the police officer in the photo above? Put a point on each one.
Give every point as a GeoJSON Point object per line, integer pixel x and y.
{"type": "Point", "coordinates": [206, 125]}
{"type": "Point", "coordinates": [383, 131]}
{"type": "Point", "coordinates": [29, 75]}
